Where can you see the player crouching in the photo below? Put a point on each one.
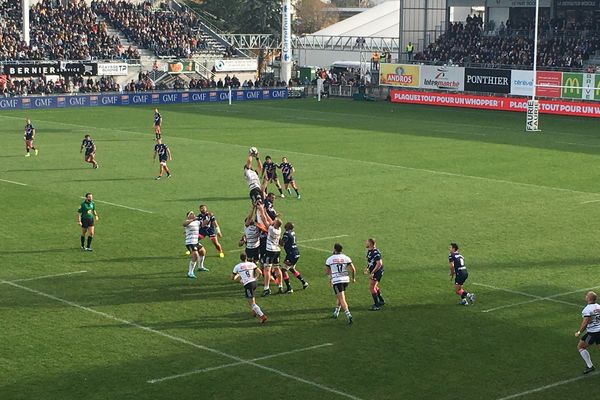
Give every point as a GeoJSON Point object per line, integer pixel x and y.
{"type": "Point", "coordinates": [248, 272]}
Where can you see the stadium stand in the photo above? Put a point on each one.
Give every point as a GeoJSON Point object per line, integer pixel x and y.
{"type": "Point", "coordinates": [167, 32]}
{"type": "Point", "coordinates": [512, 45]}
{"type": "Point", "coordinates": [70, 32]}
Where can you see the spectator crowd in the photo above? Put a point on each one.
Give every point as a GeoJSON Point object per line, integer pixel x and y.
{"type": "Point", "coordinates": [465, 43]}
{"type": "Point", "coordinates": [165, 31]}
{"type": "Point", "coordinates": [57, 32]}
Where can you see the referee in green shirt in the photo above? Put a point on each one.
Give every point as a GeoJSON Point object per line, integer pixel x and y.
{"type": "Point", "coordinates": [86, 216]}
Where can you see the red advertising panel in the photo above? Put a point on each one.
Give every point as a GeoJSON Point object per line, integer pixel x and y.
{"type": "Point", "coordinates": [495, 103]}
{"type": "Point", "coordinates": [546, 78]}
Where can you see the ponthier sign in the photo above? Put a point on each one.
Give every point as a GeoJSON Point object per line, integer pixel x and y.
{"type": "Point", "coordinates": [495, 103]}
{"type": "Point", "coordinates": [487, 80]}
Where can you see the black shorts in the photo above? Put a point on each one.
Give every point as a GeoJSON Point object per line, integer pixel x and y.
{"type": "Point", "coordinates": [193, 247]}
{"type": "Point", "coordinates": [262, 249]}
{"type": "Point", "coordinates": [207, 231]}
{"type": "Point", "coordinates": [591, 338]}
{"type": "Point", "coordinates": [88, 154]}
{"type": "Point", "coordinates": [272, 257]}
{"type": "Point", "coordinates": [291, 260]}
{"type": "Point", "coordinates": [271, 177]}
{"type": "Point", "coordinates": [252, 254]}
{"type": "Point", "coordinates": [378, 275]}
{"type": "Point", "coordinates": [288, 179]}
{"type": "Point", "coordinates": [87, 222]}
{"type": "Point", "coordinates": [249, 289]}
{"type": "Point", "coordinates": [461, 277]}
{"type": "Point", "coordinates": [255, 194]}
{"type": "Point", "coordinates": [340, 287]}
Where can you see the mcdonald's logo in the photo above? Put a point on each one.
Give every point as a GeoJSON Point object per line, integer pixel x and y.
{"type": "Point", "coordinates": [571, 85]}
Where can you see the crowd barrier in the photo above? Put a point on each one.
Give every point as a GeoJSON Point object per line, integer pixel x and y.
{"type": "Point", "coordinates": [552, 84]}
{"type": "Point", "coordinates": [95, 99]}
{"type": "Point", "coordinates": [559, 107]}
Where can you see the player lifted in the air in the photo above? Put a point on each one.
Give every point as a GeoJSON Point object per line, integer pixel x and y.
{"type": "Point", "coordinates": [210, 228]}
{"type": "Point", "coordinates": [90, 151]}
{"type": "Point", "coordinates": [269, 175]}
{"type": "Point", "coordinates": [164, 153]}
{"type": "Point", "coordinates": [287, 170]}
{"type": "Point", "coordinates": [29, 136]}
{"type": "Point", "coordinates": [251, 175]}
{"type": "Point", "coordinates": [157, 123]}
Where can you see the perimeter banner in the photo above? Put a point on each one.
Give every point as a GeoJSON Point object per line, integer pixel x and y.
{"type": "Point", "coordinates": [495, 103]}
{"type": "Point", "coordinates": [400, 75]}
{"type": "Point", "coordinates": [98, 100]}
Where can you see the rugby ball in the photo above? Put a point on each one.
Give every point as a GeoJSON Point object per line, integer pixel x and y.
{"type": "Point", "coordinates": [253, 151]}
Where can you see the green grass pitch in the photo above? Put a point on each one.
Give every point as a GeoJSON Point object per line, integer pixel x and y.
{"type": "Point", "coordinates": [524, 209]}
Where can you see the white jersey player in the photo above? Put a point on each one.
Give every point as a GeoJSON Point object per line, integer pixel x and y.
{"type": "Point", "coordinates": [272, 249]}
{"type": "Point", "coordinates": [251, 237]}
{"type": "Point", "coordinates": [591, 324]}
{"type": "Point", "coordinates": [252, 179]}
{"type": "Point", "coordinates": [248, 273]}
{"type": "Point", "coordinates": [197, 252]}
{"type": "Point", "coordinates": [341, 271]}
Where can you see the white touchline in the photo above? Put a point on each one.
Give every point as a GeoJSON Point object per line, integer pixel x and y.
{"type": "Point", "coordinates": [198, 371]}
{"type": "Point", "coordinates": [182, 340]}
{"type": "Point", "coordinates": [590, 201]}
{"type": "Point", "coordinates": [430, 171]}
{"type": "Point", "coordinates": [316, 248]}
{"type": "Point", "coordinates": [536, 297]}
{"type": "Point", "coordinates": [542, 388]}
{"type": "Point", "coordinates": [45, 276]}
{"type": "Point", "coordinates": [322, 238]}
{"type": "Point", "coordinates": [13, 182]}
{"type": "Point", "coordinates": [122, 206]}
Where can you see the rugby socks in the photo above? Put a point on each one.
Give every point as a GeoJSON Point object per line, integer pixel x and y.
{"type": "Point", "coordinates": [89, 242]}
{"type": "Point", "coordinates": [280, 191]}
{"type": "Point", "coordinates": [348, 315]}
{"type": "Point", "coordinates": [289, 190]}
{"type": "Point", "coordinates": [381, 301]}
{"type": "Point", "coordinates": [586, 357]}
{"type": "Point", "coordinates": [201, 261]}
{"type": "Point", "coordinates": [257, 310]}
{"type": "Point", "coordinates": [297, 275]}
{"type": "Point", "coordinates": [217, 245]}
{"type": "Point", "coordinates": [336, 311]}
{"type": "Point", "coordinates": [462, 293]}
{"type": "Point", "coordinates": [375, 298]}
{"type": "Point", "coordinates": [83, 241]}
{"type": "Point", "coordinates": [286, 279]}
{"type": "Point", "coordinates": [191, 268]}
{"type": "Point", "coordinates": [297, 192]}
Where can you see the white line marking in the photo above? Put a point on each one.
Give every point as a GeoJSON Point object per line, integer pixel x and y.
{"type": "Point", "coordinates": [13, 182]}
{"type": "Point", "coordinates": [182, 340]}
{"type": "Point", "coordinates": [544, 298]}
{"type": "Point", "coordinates": [46, 276]}
{"type": "Point", "coordinates": [199, 371]}
{"type": "Point", "coordinates": [431, 171]}
{"type": "Point", "coordinates": [538, 298]}
{"type": "Point", "coordinates": [542, 388]}
{"type": "Point", "coordinates": [122, 206]}
{"type": "Point", "coordinates": [590, 201]}
{"type": "Point", "coordinates": [322, 238]}
{"type": "Point", "coordinates": [330, 251]}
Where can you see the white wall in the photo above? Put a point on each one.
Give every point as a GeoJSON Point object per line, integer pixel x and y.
{"type": "Point", "coordinates": [498, 15]}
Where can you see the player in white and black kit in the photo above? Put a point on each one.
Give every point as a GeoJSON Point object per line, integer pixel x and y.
{"type": "Point", "coordinates": [197, 252]}
{"type": "Point", "coordinates": [591, 324]}
{"type": "Point", "coordinates": [251, 237]}
{"type": "Point", "coordinates": [273, 251]}
{"type": "Point", "coordinates": [292, 255]}
{"type": "Point", "coordinates": [337, 267]}
{"type": "Point", "coordinates": [248, 272]}
{"type": "Point", "coordinates": [252, 179]}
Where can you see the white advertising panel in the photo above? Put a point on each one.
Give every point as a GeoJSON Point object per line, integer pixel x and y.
{"type": "Point", "coordinates": [114, 69]}
{"type": "Point", "coordinates": [521, 83]}
{"type": "Point", "coordinates": [441, 77]}
{"type": "Point", "coordinates": [242, 64]}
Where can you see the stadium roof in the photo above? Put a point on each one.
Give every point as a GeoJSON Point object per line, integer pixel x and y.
{"type": "Point", "coordinates": [379, 21]}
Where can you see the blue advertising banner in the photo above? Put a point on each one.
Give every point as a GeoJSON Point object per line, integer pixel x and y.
{"type": "Point", "coordinates": [96, 100]}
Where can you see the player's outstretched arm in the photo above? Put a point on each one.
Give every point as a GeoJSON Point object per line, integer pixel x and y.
{"type": "Point", "coordinates": [259, 167]}
{"type": "Point", "coordinates": [249, 162]}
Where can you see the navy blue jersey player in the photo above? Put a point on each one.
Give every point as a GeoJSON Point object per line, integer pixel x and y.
{"type": "Point", "coordinates": [90, 151]}
{"type": "Point", "coordinates": [157, 123]}
{"type": "Point", "coordinates": [209, 227]}
{"type": "Point", "coordinates": [287, 170]}
{"type": "Point", "coordinates": [269, 175]}
{"type": "Point", "coordinates": [164, 154]}
{"type": "Point", "coordinates": [375, 270]}
{"type": "Point", "coordinates": [292, 255]}
{"type": "Point", "coordinates": [29, 136]}
{"type": "Point", "coordinates": [458, 272]}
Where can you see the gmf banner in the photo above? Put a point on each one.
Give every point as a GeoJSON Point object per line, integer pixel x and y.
{"type": "Point", "coordinates": [400, 75]}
